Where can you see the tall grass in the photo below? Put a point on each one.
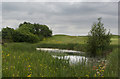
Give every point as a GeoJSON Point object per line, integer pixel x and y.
{"type": "Point", "coordinates": [22, 60]}
{"type": "Point", "coordinates": [112, 64]}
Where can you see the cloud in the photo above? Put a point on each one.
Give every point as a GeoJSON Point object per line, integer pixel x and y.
{"type": "Point", "coordinates": [62, 17]}
{"type": "Point", "coordinates": [60, 0]}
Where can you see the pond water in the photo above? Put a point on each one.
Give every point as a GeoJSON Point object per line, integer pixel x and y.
{"type": "Point", "coordinates": [58, 50]}
{"type": "Point", "coordinates": [73, 59]}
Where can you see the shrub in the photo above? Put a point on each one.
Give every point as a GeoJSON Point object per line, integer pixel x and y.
{"type": "Point", "coordinates": [98, 39]}
{"type": "Point", "coordinates": [22, 37]}
{"type": "Point", "coordinates": [7, 34]}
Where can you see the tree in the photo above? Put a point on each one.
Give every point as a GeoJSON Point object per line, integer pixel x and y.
{"type": "Point", "coordinates": [24, 37]}
{"type": "Point", "coordinates": [37, 29]}
{"type": "Point", "coordinates": [42, 30]}
{"type": "Point", "coordinates": [7, 33]}
{"type": "Point", "coordinates": [98, 39]}
{"type": "Point", "coordinates": [26, 32]}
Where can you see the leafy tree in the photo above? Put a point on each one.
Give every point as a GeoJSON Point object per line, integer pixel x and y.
{"type": "Point", "coordinates": [7, 33]}
{"type": "Point", "coordinates": [27, 32]}
{"type": "Point", "coordinates": [25, 37]}
{"type": "Point", "coordinates": [42, 30]}
{"type": "Point", "coordinates": [37, 29]}
{"type": "Point", "coordinates": [98, 39]}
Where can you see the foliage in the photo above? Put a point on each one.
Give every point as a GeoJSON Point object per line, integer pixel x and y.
{"type": "Point", "coordinates": [37, 29]}
{"type": "Point", "coordinates": [42, 30]}
{"type": "Point", "coordinates": [27, 32]}
{"type": "Point", "coordinates": [24, 37]}
{"type": "Point", "coordinates": [98, 39]}
{"type": "Point", "coordinates": [7, 33]}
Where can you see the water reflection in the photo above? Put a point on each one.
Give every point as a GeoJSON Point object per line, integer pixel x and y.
{"type": "Point", "coordinates": [72, 59]}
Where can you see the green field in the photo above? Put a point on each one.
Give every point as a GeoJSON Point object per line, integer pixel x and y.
{"type": "Point", "coordinates": [65, 39]}
{"type": "Point", "coordinates": [22, 59]}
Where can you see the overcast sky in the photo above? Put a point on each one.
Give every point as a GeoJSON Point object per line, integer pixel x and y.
{"type": "Point", "coordinates": [71, 18]}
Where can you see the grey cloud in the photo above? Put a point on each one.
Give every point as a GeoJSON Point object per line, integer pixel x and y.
{"type": "Point", "coordinates": [60, 0]}
{"type": "Point", "coordinates": [61, 17]}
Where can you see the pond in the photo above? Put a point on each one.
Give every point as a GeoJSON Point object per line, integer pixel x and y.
{"type": "Point", "coordinates": [58, 50]}
{"type": "Point", "coordinates": [73, 59]}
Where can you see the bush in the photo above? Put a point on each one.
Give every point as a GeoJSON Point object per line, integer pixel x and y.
{"type": "Point", "coordinates": [32, 38]}
{"type": "Point", "coordinates": [26, 32]}
{"type": "Point", "coordinates": [7, 34]}
{"type": "Point", "coordinates": [22, 37]}
{"type": "Point", "coordinates": [98, 39]}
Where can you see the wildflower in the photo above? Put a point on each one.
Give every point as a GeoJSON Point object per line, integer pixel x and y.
{"type": "Point", "coordinates": [13, 75]}
{"type": "Point", "coordinates": [29, 75]}
{"type": "Point", "coordinates": [29, 66]}
{"type": "Point", "coordinates": [17, 75]}
{"type": "Point", "coordinates": [8, 55]}
{"type": "Point", "coordinates": [94, 67]}
{"type": "Point", "coordinates": [40, 64]}
{"type": "Point", "coordinates": [14, 56]}
{"type": "Point", "coordinates": [14, 67]}
{"type": "Point", "coordinates": [102, 70]}
{"type": "Point", "coordinates": [6, 68]}
{"type": "Point", "coordinates": [87, 75]}
{"type": "Point", "coordinates": [95, 75]}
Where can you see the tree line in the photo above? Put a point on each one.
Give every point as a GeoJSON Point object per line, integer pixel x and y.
{"type": "Point", "coordinates": [98, 38]}
{"type": "Point", "coordinates": [26, 32]}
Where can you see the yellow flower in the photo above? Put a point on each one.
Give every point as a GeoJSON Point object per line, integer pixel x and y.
{"type": "Point", "coordinates": [13, 75]}
{"type": "Point", "coordinates": [6, 68]}
{"type": "Point", "coordinates": [14, 67]}
{"type": "Point", "coordinates": [103, 70]}
{"type": "Point", "coordinates": [29, 75]}
{"type": "Point", "coordinates": [87, 75]}
{"type": "Point", "coordinates": [29, 66]}
{"type": "Point", "coordinates": [95, 75]}
{"type": "Point", "coordinates": [14, 56]}
{"type": "Point", "coordinates": [8, 55]}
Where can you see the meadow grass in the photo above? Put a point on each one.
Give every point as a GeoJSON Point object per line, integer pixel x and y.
{"type": "Point", "coordinates": [65, 39]}
{"type": "Point", "coordinates": [0, 61]}
{"type": "Point", "coordinates": [22, 59]}
{"type": "Point", "coordinates": [78, 43]}
{"type": "Point", "coordinates": [112, 64]}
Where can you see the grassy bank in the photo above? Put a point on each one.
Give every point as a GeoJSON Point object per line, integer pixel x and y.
{"type": "Point", "coordinates": [65, 39]}
{"type": "Point", "coordinates": [71, 42]}
{"type": "Point", "coordinates": [112, 66]}
{"type": "Point", "coordinates": [22, 59]}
